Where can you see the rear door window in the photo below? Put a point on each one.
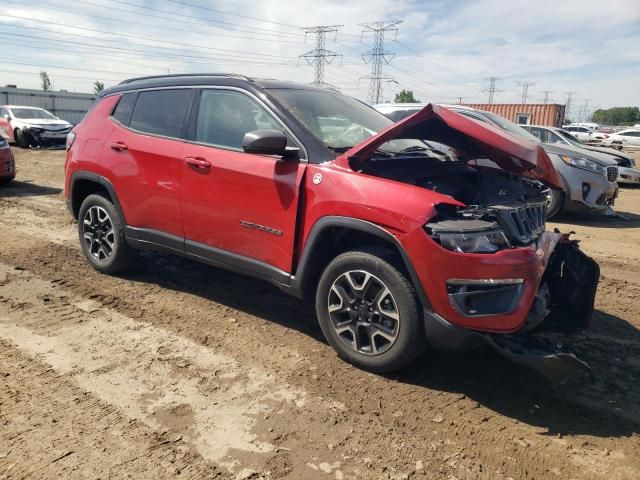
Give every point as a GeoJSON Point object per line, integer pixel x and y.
{"type": "Point", "coordinates": [161, 112]}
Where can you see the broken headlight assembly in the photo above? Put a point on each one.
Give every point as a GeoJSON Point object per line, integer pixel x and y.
{"type": "Point", "coordinates": [468, 236]}
{"type": "Point", "coordinates": [584, 164]}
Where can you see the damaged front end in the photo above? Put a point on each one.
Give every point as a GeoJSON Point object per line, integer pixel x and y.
{"type": "Point", "coordinates": [46, 136]}
{"type": "Point", "coordinates": [563, 304]}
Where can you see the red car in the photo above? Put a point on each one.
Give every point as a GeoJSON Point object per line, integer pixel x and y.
{"type": "Point", "coordinates": [428, 231]}
{"type": "Point", "coordinates": [7, 163]}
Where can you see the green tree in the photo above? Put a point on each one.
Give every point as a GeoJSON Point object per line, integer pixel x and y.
{"type": "Point", "coordinates": [45, 81]}
{"type": "Point", "coordinates": [98, 86]}
{"type": "Point", "coordinates": [406, 96]}
{"type": "Point", "coordinates": [617, 115]}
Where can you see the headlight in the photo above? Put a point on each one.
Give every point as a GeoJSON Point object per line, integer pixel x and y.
{"type": "Point", "coordinates": [473, 242]}
{"type": "Point", "coordinates": [584, 164]}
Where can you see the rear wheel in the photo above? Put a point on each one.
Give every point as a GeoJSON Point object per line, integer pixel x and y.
{"type": "Point", "coordinates": [368, 311]}
{"type": "Point", "coordinates": [101, 231]}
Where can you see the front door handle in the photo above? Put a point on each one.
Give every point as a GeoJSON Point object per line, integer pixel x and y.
{"type": "Point", "coordinates": [119, 146]}
{"type": "Point", "coordinates": [198, 163]}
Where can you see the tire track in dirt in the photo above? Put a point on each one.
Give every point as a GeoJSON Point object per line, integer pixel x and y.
{"type": "Point", "coordinates": [78, 436]}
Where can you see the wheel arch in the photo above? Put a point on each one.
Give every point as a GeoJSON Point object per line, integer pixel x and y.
{"type": "Point", "coordinates": [83, 184]}
{"type": "Point", "coordinates": [333, 235]}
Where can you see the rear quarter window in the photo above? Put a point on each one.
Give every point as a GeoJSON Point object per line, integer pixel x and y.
{"type": "Point", "coordinates": [161, 112]}
{"type": "Point", "coordinates": [123, 109]}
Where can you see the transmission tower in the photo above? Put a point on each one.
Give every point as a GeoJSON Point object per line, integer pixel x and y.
{"type": "Point", "coordinates": [378, 56]}
{"type": "Point", "coordinates": [583, 113]}
{"type": "Point", "coordinates": [525, 90]}
{"type": "Point", "coordinates": [547, 96]}
{"type": "Point", "coordinates": [567, 108]}
{"type": "Point", "coordinates": [492, 87]}
{"type": "Point", "coordinates": [320, 56]}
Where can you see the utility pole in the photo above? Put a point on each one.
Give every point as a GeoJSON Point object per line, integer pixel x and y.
{"type": "Point", "coordinates": [567, 108]}
{"type": "Point", "coordinates": [320, 56]}
{"type": "Point", "coordinates": [547, 97]}
{"type": "Point", "coordinates": [525, 89]}
{"type": "Point", "coordinates": [492, 87]}
{"type": "Point", "coordinates": [378, 55]}
{"type": "Point", "coordinates": [460, 100]}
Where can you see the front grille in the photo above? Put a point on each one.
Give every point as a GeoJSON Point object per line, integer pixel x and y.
{"type": "Point", "coordinates": [612, 173]}
{"type": "Point", "coordinates": [524, 224]}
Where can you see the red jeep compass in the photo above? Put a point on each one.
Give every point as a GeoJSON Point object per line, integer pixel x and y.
{"type": "Point", "coordinates": [428, 231]}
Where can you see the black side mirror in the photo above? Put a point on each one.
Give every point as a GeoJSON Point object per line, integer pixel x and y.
{"type": "Point", "coordinates": [265, 142]}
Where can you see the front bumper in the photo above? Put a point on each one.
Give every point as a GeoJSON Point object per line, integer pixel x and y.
{"type": "Point", "coordinates": [628, 175]}
{"type": "Point", "coordinates": [589, 191]}
{"type": "Point", "coordinates": [47, 138]}
{"type": "Point", "coordinates": [563, 303]}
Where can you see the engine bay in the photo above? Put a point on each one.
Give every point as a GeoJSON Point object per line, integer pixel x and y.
{"type": "Point", "coordinates": [491, 194]}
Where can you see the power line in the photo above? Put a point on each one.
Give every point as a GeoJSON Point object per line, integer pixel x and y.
{"type": "Point", "coordinates": [491, 89]}
{"type": "Point", "coordinates": [525, 89]}
{"type": "Point", "coordinates": [378, 55]}
{"type": "Point", "coordinates": [320, 56]}
{"type": "Point", "coordinates": [139, 37]}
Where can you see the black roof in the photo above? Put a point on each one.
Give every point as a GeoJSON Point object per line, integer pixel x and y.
{"type": "Point", "coordinates": [187, 79]}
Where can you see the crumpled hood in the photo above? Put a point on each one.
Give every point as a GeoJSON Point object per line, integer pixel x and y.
{"type": "Point", "coordinates": [603, 159]}
{"type": "Point", "coordinates": [43, 123]}
{"type": "Point", "coordinates": [436, 123]}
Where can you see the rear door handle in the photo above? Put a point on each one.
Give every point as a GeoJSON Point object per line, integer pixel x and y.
{"type": "Point", "coordinates": [118, 146]}
{"type": "Point", "coordinates": [198, 163]}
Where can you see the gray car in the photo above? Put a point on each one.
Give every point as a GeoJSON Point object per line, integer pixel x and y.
{"type": "Point", "coordinates": [589, 177]}
{"type": "Point", "coordinates": [627, 172]}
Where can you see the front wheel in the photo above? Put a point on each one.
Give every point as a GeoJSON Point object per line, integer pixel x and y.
{"type": "Point", "coordinates": [555, 203]}
{"type": "Point", "coordinates": [21, 139]}
{"type": "Point", "coordinates": [368, 311]}
{"type": "Point", "coordinates": [101, 231]}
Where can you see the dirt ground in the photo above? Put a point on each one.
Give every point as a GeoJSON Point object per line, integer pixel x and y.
{"type": "Point", "coordinates": [179, 370]}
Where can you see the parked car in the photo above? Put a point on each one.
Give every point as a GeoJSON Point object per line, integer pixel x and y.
{"type": "Point", "coordinates": [629, 137]}
{"type": "Point", "coordinates": [627, 173]}
{"type": "Point", "coordinates": [399, 244]}
{"type": "Point", "coordinates": [585, 134]}
{"type": "Point", "coordinates": [31, 126]}
{"type": "Point", "coordinates": [588, 181]}
{"type": "Point", "coordinates": [7, 163]}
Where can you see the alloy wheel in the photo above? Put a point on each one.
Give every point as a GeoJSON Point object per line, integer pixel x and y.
{"type": "Point", "coordinates": [98, 233]}
{"type": "Point", "coordinates": [363, 312]}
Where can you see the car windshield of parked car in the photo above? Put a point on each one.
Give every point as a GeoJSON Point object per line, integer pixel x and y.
{"type": "Point", "coordinates": [32, 113]}
{"type": "Point", "coordinates": [337, 120]}
{"type": "Point", "coordinates": [511, 127]}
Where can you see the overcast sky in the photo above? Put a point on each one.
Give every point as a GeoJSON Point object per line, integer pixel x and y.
{"type": "Point", "coordinates": [443, 49]}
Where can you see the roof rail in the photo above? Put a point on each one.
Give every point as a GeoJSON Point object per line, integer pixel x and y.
{"type": "Point", "coordinates": [178, 75]}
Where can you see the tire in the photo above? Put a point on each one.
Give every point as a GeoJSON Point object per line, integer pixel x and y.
{"type": "Point", "coordinates": [382, 342]}
{"type": "Point", "coordinates": [556, 204]}
{"type": "Point", "coordinates": [21, 139]}
{"type": "Point", "coordinates": [101, 233]}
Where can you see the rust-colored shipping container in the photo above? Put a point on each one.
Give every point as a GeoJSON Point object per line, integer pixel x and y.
{"type": "Point", "coordinates": [549, 114]}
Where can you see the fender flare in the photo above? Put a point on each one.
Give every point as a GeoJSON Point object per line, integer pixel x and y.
{"type": "Point", "coordinates": [304, 266]}
{"type": "Point", "coordinates": [100, 180]}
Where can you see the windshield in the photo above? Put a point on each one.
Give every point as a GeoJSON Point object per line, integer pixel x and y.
{"type": "Point", "coordinates": [570, 139]}
{"type": "Point", "coordinates": [337, 120]}
{"type": "Point", "coordinates": [511, 127]}
{"type": "Point", "coordinates": [32, 113]}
